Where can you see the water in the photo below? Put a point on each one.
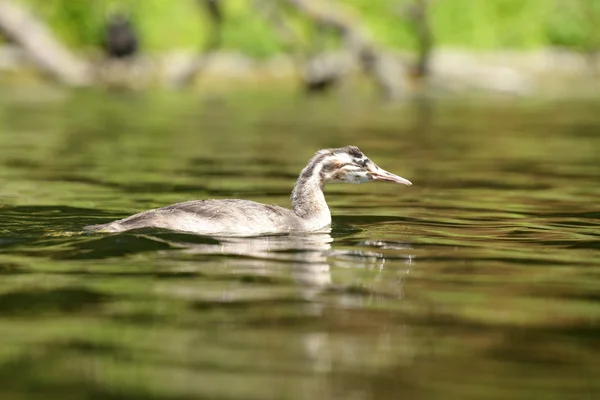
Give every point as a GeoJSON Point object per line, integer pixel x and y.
{"type": "Point", "coordinates": [482, 280]}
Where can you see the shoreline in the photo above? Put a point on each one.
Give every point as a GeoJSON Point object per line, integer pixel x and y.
{"type": "Point", "coordinates": [452, 70]}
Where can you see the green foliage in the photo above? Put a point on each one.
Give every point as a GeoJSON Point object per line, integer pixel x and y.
{"type": "Point", "coordinates": [575, 24]}
{"type": "Point", "coordinates": [246, 31]}
{"type": "Point", "coordinates": [475, 24]}
{"type": "Point", "coordinates": [490, 24]}
{"type": "Point", "coordinates": [384, 20]}
{"type": "Point", "coordinates": [78, 22]}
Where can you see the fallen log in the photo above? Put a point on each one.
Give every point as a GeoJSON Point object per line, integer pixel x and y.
{"type": "Point", "coordinates": [46, 52]}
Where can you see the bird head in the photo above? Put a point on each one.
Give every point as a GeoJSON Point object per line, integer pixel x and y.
{"type": "Point", "coordinates": [349, 165]}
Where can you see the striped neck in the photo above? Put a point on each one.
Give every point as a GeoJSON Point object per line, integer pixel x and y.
{"type": "Point", "coordinates": [308, 200]}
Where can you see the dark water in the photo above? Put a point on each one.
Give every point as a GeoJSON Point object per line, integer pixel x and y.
{"type": "Point", "coordinates": [480, 281]}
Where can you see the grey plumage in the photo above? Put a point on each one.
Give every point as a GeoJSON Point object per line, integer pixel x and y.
{"type": "Point", "coordinates": [211, 217]}
{"type": "Point", "coordinates": [233, 217]}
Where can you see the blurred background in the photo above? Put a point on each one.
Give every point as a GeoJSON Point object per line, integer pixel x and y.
{"type": "Point", "coordinates": [480, 281]}
{"type": "Point", "coordinates": [402, 46]}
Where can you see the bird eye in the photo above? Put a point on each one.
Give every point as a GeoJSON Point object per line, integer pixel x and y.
{"type": "Point", "coordinates": [364, 162]}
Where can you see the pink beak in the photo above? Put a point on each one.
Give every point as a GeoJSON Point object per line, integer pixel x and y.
{"type": "Point", "coordinates": [383, 175]}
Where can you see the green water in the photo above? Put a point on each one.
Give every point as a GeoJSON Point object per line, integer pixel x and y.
{"type": "Point", "coordinates": [481, 281]}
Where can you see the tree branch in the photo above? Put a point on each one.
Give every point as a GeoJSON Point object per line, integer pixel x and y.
{"type": "Point", "coordinates": [417, 14]}
{"type": "Point", "coordinates": [372, 62]}
{"type": "Point", "coordinates": [187, 74]}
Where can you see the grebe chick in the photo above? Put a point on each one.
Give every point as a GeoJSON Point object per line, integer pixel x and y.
{"type": "Point", "coordinates": [231, 217]}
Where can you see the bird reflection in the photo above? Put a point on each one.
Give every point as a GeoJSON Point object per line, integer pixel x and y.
{"type": "Point", "coordinates": [300, 247]}
{"type": "Point", "coordinates": [326, 304]}
{"type": "Point", "coordinates": [306, 254]}
{"type": "Point", "coordinates": [309, 257]}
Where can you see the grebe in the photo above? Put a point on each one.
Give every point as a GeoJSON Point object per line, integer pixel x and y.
{"type": "Point", "coordinates": [231, 217]}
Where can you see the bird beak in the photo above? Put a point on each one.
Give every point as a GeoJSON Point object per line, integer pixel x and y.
{"type": "Point", "coordinates": [383, 175]}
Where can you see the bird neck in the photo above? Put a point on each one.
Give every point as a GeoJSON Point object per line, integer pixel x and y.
{"type": "Point", "coordinates": [308, 200]}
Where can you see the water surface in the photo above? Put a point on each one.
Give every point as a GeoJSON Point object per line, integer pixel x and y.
{"type": "Point", "coordinates": [482, 280]}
